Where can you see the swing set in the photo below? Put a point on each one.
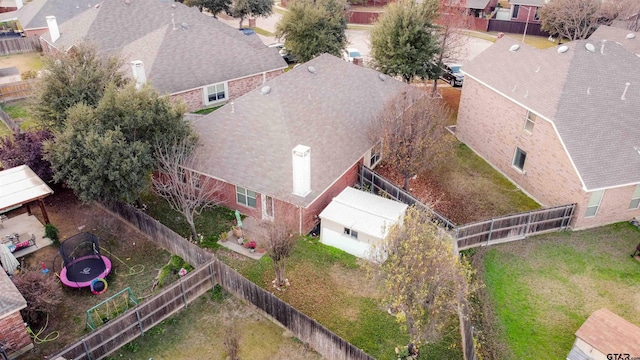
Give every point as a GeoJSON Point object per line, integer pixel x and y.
{"type": "Point", "coordinates": [110, 308]}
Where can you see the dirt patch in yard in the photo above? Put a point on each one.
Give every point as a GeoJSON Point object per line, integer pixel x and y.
{"type": "Point", "coordinates": [135, 259]}
{"type": "Point", "coordinates": [24, 62]}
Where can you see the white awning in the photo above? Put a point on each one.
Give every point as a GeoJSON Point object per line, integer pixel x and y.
{"type": "Point", "coordinates": [20, 185]}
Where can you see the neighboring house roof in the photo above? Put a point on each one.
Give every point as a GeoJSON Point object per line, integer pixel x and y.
{"type": "Point", "coordinates": [627, 38]}
{"type": "Point", "coordinates": [180, 47]}
{"type": "Point", "coordinates": [10, 298]}
{"type": "Point", "coordinates": [537, 3]}
{"type": "Point", "coordinates": [9, 71]}
{"type": "Point", "coordinates": [594, 111]}
{"type": "Point", "coordinates": [609, 333]}
{"type": "Point", "coordinates": [477, 4]}
{"type": "Point", "coordinates": [33, 14]}
{"type": "Point", "coordinates": [364, 212]}
{"type": "Point", "coordinates": [249, 142]}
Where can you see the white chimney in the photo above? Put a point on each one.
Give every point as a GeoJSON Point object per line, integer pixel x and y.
{"type": "Point", "coordinates": [53, 28]}
{"type": "Point", "coordinates": [139, 76]}
{"type": "Point", "coordinates": [19, 4]}
{"type": "Point", "coordinates": [301, 170]}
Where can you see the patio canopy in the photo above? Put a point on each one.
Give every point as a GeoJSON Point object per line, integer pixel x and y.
{"type": "Point", "coordinates": [20, 185]}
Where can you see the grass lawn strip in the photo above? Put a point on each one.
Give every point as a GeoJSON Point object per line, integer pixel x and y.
{"type": "Point", "coordinates": [545, 287]}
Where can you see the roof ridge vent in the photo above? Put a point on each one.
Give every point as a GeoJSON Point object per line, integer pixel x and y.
{"type": "Point", "coordinates": [630, 36]}
{"type": "Point", "coordinates": [265, 90]}
{"type": "Point", "coordinates": [514, 48]}
{"type": "Point", "coordinates": [626, 87]}
{"type": "Point", "coordinates": [312, 69]}
{"type": "Point", "coordinates": [184, 26]}
{"type": "Point", "coordinates": [590, 47]}
{"type": "Point", "coordinates": [563, 49]}
{"type": "Point", "coordinates": [382, 77]}
{"type": "Point", "coordinates": [636, 148]}
{"type": "Point", "coordinates": [589, 90]}
{"type": "Point", "coordinates": [602, 47]}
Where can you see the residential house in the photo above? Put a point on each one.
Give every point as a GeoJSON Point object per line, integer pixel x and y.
{"type": "Point", "coordinates": [181, 51]}
{"type": "Point", "coordinates": [559, 123]}
{"type": "Point", "coordinates": [14, 338]}
{"type": "Point", "coordinates": [357, 222]}
{"type": "Point", "coordinates": [526, 10]}
{"type": "Point", "coordinates": [298, 140]}
{"type": "Point", "coordinates": [605, 333]}
{"type": "Point", "coordinates": [481, 8]}
{"type": "Point", "coordinates": [31, 17]}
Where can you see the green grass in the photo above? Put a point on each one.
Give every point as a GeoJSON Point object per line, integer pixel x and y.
{"type": "Point", "coordinates": [208, 110]}
{"type": "Point", "coordinates": [210, 223]}
{"type": "Point", "coordinates": [4, 130]}
{"type": "Point", "coordinates": [20, 110]}
{"type": "Point", "coordinates": [263, 32]}
{"type": "Point", "coordinates": [539, 42]}
{"type": "Point", "coordinates": [330, 286]}
{"type": "Point", "coordinates": [543, 288]}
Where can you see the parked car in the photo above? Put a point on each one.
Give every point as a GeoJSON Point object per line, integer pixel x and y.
{"type": "Point", "coordinates": [286, 55]}
{"type": "Point", "coordinates": [451, 73]}
{"type": "Point", "coordinates": [349, 54]}
{"type": "Point", "coordinates": [247, 31]}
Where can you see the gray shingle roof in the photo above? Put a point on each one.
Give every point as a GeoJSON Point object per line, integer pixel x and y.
{"type": "Point", "coordinates": [528, 2]}
{"type": "Point", "coordinates": [176, 57]}
{"type": "Point", "coordinates": [10, 298]}
{"type": "Point", "coordinates": [621, 36]}
{"type": "Point", "coordinates": [477, 4]}
{"type": "Point", "coordinates": [249, 142]}
{"type": "Point", "coordinates": [579, 92]}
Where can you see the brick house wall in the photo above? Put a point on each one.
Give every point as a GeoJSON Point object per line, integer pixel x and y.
{"type": "Point", "coordinates": [194, 98]}
{"type": "Point", "coordinates": [549, 176]}
{"type": "Point", "coordinates": [310, 214]}
{"type": "Point", "coordinates": [36, 31]}
{"type": "Point", "coordinates": [13, 334]}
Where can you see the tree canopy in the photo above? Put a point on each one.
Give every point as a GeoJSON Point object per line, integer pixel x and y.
{"type": "Point", "coordinates": [425, 283]}
{"type": "Point", "coordinates": [404, 41]}
{"type": "Point", "coordinates": [107, 152]}
{"type": "Point", "coordinates": [79, 76]}
{"type": "Point", "coordinates": [570, 19]}
{"type": "Point", "coordinates": [241, 9]}
{"type": "Point", "coordinates": [412, 134]}
{"type": "Point", "coordinates": [214, 6]}
{"type": "Point", "coordinates": [311, 28]}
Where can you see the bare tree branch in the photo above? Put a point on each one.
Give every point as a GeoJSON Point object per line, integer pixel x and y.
{"type": "Point", "coordinates": [187, 191]}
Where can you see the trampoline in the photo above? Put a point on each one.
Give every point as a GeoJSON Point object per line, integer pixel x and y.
{"type": "Point", "coordinates": [82, 261]}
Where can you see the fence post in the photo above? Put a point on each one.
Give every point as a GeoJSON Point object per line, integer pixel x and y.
{"type": "Point", "coordinates": [490, 231]}
{"type": "Point", "coordinates": [211, 275]}
{"type": "Point", "coordinates": [526, 229]}
{"type": "Point", "coordinates": [184, 294]}
{"type": "Point", "coordinates": [139, 322]}
{"type": "Point", "coordinates": [86, 349]}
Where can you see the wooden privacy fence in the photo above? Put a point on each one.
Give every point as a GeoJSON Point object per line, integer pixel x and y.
{"type": "Point", "coordinates": [376, 183]}
{"type": "Point", "coordinates": [20, 45]}
{"type": "Point", "coordinates": [17, 90]}
{"type": "Point", "coordinates": [7, 120]}
{"type": "Point", "coordinates": [516, 27]}
{"type": "Point", "coordinates": [136, 321]}
{"type": "Point", "coordinates": [513, 227]}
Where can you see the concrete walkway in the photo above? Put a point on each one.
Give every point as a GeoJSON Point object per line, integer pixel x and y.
{"type": "Point", "coordinates": [25, 224]}
{"type": "Point", "coordinates": [251, 231]}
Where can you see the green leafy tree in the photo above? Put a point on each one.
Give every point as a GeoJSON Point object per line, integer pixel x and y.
{"type": "Point", "coordinates": [311, 28]}
{"type": "Point", "coordinates": [425, 283]}
{"type": "Point", "coordinates": [570, 19]}
{"type": "Point", "coordinates": [107, 153]}
{"type": "Point", "coordinates": [213, 6]}
{"type": "Point", "coordinates": [241, 9]}
{"type": "Point", "coordinates": [404, 41]}
{"type": "Point", "coordinates": [78, 76]}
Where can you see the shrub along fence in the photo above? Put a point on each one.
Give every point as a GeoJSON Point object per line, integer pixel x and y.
{"type": "Point", "coordinates": [133, 323]}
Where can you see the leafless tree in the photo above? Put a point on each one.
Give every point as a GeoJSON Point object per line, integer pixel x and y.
{"type": "Point", "coordinates": [570, 19]}
{"type": "Point", "coordinates": [187, 191]}
{"type": "Point", "coordinates": [424, 281]}
{"type": "Point", "coordinates": [281, 235]}
{"type": "Point", "coordinates": [452, 21]}
{"type": "Point", "coordinates": [412, 134]}
{"type": "Point", "coordinates": [623, 12]}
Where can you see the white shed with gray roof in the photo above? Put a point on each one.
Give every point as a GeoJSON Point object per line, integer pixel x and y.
{"type": "Point", "coordinates": [355, 221]}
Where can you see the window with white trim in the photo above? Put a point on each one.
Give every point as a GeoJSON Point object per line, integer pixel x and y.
{"type": "Point", "coordinates": [376, 153]}
{"type": "Point", "coordinates": [215, 93]}
{"type": "Point", "coordinates": [594, 203]}
{"type": "Point", "coordinates": [635, 198]}
{"type": "Point", "coordinates": [516, 9]}
{"type": "Point", "coordinates": [245, 197]}
{"type": "Point", "coordinates": [530, 121]}
{"type": "Point", "coordinates": [519, 158]}
{"type": "Point", "coordinates": [351, 232]}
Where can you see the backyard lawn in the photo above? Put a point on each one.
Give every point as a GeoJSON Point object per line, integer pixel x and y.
{"type": "Point", "coordinates": [540, 290]}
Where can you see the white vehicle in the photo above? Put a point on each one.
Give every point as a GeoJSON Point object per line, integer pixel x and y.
{"type": "Point", "coordinates": [349, 54]}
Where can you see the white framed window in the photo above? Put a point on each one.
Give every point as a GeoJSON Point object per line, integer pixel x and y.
{"type": "Point", "coordinates": [530, 121]}
{"type": "Point", "coordinates": [245, 197]}
{"type": "Point", "coordinates": [519, 159]}
{"type": "Point", "coordinates": [376, 153]}
{"type": "Point", "coordinates": [516, 10]}
{"type": "Point", "coordinates": [635, 199]}
{"type": "Point", "coordinates": [215, 93]}
{"type": "Point", "coordinates": [351, 232]}
{"type": "Point", "coordinates": [594, 203]}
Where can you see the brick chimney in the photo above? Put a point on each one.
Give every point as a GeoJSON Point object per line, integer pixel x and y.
{"type": "Point", "coordinates": [301, 170]}
{"type": "Point", "coordinates": [357, 61]}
